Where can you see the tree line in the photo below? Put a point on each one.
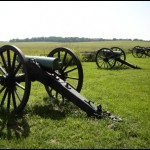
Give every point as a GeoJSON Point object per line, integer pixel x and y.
{"type": "Point", "coordinates": [66, 39]}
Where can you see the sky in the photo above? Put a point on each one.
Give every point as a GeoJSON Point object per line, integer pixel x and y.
{"type": "Point", "coordinates": [89, 19]}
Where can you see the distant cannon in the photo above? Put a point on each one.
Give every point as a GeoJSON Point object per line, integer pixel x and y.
{"type": "Point", "coordinates": [88, 56]}
{"type": "Point", "coordinates": [140, 52]}
{"type": "Point", "coordinates": [109, 58]}
{"type": "Point", "coordinates": [60, 72]}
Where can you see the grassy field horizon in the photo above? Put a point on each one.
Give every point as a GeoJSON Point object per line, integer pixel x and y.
{"type": "Point", "coordinates": [125, 92]}
{"type": "Point", "coordinates": [77, 46]}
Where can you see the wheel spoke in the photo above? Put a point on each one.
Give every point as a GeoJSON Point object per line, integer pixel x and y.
{"type": "Point", "coordinates": [9, 61]}
{"type": "Point", "coordinates": [8, 102]}
{"type": "Point", "coordinates": [14, 100]}
{"type": "Point", "coordinates": [18, 67]}
{"type": "Point", "coordinates": [18, 95]}
{"type": "Point", "coordinates": [3, 71]}
{"type": "Point", "coordinates": [13, 63]}
{"type": "Point", "coordinates": [2, 89]}
{"type": "Point", "coordinates": [71, 70]}
{"type": "Point", "coordinates": [64, 59]}
{"type": "Point", "coordinates": [4, 96]}
{"type": "Point", "coordinates": [102, 64]}
{"type": "Point", "coordinates": [19, 85]}
{"type": "Point", "coordinates": [72, 78]}
{"type": "Point", "coordinates": [109, 64]}
{"type": "Point", "coordinates": [59, 54]}
{"type": "Point", "coordinates": [4, 62]}
{"type": "Point", "coordinates": [67, 64]}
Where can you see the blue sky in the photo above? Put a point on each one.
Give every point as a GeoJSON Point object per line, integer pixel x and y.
{"type": "Point", "coordinates": [92, 19]}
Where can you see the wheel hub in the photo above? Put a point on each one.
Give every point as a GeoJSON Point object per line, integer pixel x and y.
{"type": "Point", "coordinates": [9, 81]}
{"type": "Point", "coordinates": [105, 59]}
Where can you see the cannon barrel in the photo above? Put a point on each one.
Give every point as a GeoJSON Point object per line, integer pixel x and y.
{"type": "Point", "coordinates": [116, 53]}
{"type": "Point", "coordinates": [47, 62]}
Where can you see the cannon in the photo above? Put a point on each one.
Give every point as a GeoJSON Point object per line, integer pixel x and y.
{"type": "Point", "coordinates": [108, 58]}
{"type": "Point", "coordinates": [60, 72]}
{"type": "Point", "coordinates": [139, 52]}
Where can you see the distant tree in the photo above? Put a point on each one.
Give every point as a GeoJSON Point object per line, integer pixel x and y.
{"type": "Point", "coordinates": [65, 39]}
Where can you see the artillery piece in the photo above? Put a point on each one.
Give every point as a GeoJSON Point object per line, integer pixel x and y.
{"type": "Point", "coordinates": [140, 52]}
{"type": "Point", "coordinates": [61, 73]}
{"type": "Point", "coordinates": [114, 57]}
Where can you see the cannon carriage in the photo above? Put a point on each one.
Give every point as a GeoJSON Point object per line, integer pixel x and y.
{"type": "Point", "coordinates": [60, 72]}
{"type": "Point", "coordinates": [139, 52]}
{"type": "Point", "coordinates": [108, 58]}
{"type": "Point", "coordinates": [17, 71]}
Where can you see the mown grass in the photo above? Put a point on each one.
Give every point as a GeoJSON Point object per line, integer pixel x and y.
{"type": "Point", "coordinates": [46, 47]}
{"type": "Point", "coordinates": [124, 92]}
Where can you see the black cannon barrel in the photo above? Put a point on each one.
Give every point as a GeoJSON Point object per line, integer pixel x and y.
{"type": "Point", "coordinates": [116, 53]}
{"type": "Point", "coordinates": [48, 62]}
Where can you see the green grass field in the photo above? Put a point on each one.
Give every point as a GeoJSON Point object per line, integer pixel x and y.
{"type": "Point", "coordinates": [46, 47]}
{"type": "Point", "coordinates": [124, 92]}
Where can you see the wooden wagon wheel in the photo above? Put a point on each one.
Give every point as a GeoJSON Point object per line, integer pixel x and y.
{"type": "Point", "coordinates": [104, 58]}
{"type": "Point", "coordinates": [122, 56]}
{"type": "Point", "coordinates": [137, 51]}
{"type": "Point", "coordinates": [14, 80]}
{"type": "Point", "coordinates": [70, 71]}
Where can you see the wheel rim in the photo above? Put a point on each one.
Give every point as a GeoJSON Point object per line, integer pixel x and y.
{"type": "Point", "coordinates": [104, 58]}
{"type": "Point", "coordinates": [122, 56]}
{"type": "Point", "coordinates": [71, 71]}
{"type": "Point", "coordinates": [14, 93]}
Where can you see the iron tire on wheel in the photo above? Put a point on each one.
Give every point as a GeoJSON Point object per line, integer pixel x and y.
{"type": "Point", "coordinates": [14, 91]}
{"type": "Point", "coordinates": [70, 71]}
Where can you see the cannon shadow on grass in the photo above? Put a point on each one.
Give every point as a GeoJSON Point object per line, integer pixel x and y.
{"type": "Point", "coordinates": [16, 126]}
{"type": "Point", "coordinates": [54, 110]}
{"type": "Point", "coordinates": [12, 126]}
